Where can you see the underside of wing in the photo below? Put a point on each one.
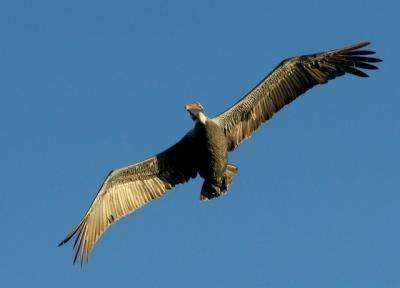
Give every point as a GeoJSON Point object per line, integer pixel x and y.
{"type": "Point", "coordinates": [129, 188]}
{"type": "Point", "coordinates": [285, 83]}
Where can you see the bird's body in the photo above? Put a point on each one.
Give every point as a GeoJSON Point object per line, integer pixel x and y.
{"type": "Point", "coordinates": [212, 158]}
{"type": "Point", "coordinates": [204, 149]}
{"type": "Point", "coordinates": [211, 149]}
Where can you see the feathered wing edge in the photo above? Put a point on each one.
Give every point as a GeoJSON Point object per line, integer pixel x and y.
{"type": "Point", "coordinates": [291, 78]}
{"type": "Point", "coordinates": [129, 188]}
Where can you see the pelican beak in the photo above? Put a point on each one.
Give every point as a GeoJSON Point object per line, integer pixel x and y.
{"type": "Point", "coordinates": [193, 106]}
{"type": "Point", "coordinates": [189, 107]}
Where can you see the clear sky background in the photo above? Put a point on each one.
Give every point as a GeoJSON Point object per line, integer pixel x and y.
{"type": "Point", "coordinates": [89, 86]}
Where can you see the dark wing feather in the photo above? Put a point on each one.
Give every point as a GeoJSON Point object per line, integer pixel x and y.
{"type": "Point", "coordinates": [285, 83]}
{"type": "Point", "coordinates": [129, 188]}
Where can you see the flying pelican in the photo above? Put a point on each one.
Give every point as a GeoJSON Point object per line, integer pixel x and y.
{"type": "Point", "coordinates": [204, 149]}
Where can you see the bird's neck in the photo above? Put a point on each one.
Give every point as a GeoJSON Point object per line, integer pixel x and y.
{"type": "Point", "coordinates": [202, 118]}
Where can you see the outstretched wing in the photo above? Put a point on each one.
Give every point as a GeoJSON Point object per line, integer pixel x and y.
{"type": "Point", "coordinates": [285, 83]}
{"type": "Point", "coordinates": [129, 188]}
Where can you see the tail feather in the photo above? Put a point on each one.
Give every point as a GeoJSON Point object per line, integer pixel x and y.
{"type": "Point", "coordinates": [211, 190]}
{"type": "Point", "coordinates": [231, 170]}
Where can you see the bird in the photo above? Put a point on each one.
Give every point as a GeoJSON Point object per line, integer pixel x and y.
{"type": "Point", "coordinates": [204, 149]}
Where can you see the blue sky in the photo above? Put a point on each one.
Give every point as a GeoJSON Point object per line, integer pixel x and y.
{"type": "Point", "coordinates": [89, 86]}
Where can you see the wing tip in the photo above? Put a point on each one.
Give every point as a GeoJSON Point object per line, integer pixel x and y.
{"type": "Point", "coordinates": [353, 47]}
{"type": "Point", "coordinates": [359, 59]}
{"type": "Point", "coordinates": [361, 45]}
{"type": "Point", "coordinates": [69, 237]}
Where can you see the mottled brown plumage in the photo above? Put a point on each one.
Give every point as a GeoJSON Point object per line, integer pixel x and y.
{"type": "Point", "coordinates": [204, 149]}
{"type": "Point", "coordinates": [286, 82]}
